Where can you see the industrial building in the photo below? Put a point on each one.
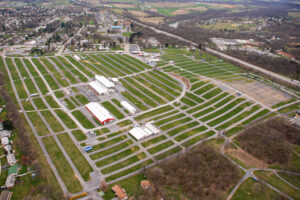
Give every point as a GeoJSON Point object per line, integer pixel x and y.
{"type": "Point", "coordinates": [144, 131]}
{"type": "Point", "coordinates": [104, 81]}
{"type": "Point", "coordinates": [99, 112]}
{"type": "Point", "coordinates": [129, 107]}
{"type": "Point", "coordinates": [98, 88]}
{"type": "Point", "coordinates": [101, 85]}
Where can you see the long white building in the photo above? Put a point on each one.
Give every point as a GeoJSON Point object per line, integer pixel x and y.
{"type": "Point", "coordinates": [99, 112]}
{"type": "Point", "coordinates": [104, 81]}
{"type": "Point", "coordinates": [145, 131]}
{"type": "Point", "coordinates": [98, 87]}
{"type": "Point", "coordinates": [129, 107]}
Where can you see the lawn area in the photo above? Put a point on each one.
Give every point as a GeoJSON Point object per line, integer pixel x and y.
{"type": "Point", "coordinates": [188, 102]}
{"type": "Point", "coordinates": [111, 150]}
{"type": "Point", "coordinates": [251, 189]}
{"type": "Point", "coordinates": [163, 121]}
{"type": "Point", "coordinates": [130, 170]}
{"type": "Point", "coordinates": [41, 85]}
{"type": "Point", "coordinates": [69, 104]}
{"type": "Point", "coordinates": [76, 156]}
{"type": "Point", "coordinates": [160, 147]}
{"type": "Point", "coordinates": [27, 105]}
{"type": "Point", "coordinates": [108, 143]}
{"type": "Point", "coordinates": [79, 135]}
{"type": "Point", "coordinates": [154, 112]}
{"type": "Point", "coordinates": [39, 103]}
{"type": "Point", "coordinates": [82, 99]}
{"type": "Point", "coordinates": [20, 89]}
{"type": "Point", "coordinates": [117, 157]}
{"type": "Point", "coordinates": [30, 67]}
{"type": "Point", "coordinates": [168, 153]}
{"type": "Point", "coordinates": [146, 99]}
{"type": "Point", "coordinates": [63, 167]}
{"type": "Point", "coordinates": [260, 114]}
{"type": "Point", "coordinates": [124, 123]}
{"type": "Point", "coordinates": [272, 179]}
{"type": "Point", "coordinates": [197, 138]}
{"type": "Point", "coordinates": [51, 82]}
{"type": "Point", "coordinates": [52, 103]}
{"type": "Point", "coordinates": [111, 108]}
{"type": "Point", "coordinates": [134, 100]}
{"type": "Point", "coordinates": [12, 69]}
{"type": "Point", "coordinates": [175, 123]}
{"type": "Point", "coordinates": [30, 86]}
{"type": "Point", "coordinates": [66, 119]}
{"type": "Point", "coordinates": [153, 141]}
{"type": "Point", "coordinates": [124, 163]}
{"type": "Point", "coordinates": [182, 128]}
{"type": "Point", "coordinates": [38, 123]}
{"type": "Point", "coordinates": [190, 133]}
{"type": "Point", "coordinates": [59, 94]}
{"type": "Point", "coordinates": [212, 93]}
{"type": "Point", "coordinates": [82, 119]}
{"type": "Point", "coordinates": [291, 178]}
{"type": "Point", "coordinates": [52, 121]}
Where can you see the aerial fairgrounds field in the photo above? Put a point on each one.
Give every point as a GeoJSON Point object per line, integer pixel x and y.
{"type": "Point", "coordinates": [190, 98]}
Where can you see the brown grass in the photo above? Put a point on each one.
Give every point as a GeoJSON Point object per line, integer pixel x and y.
{"type": "Point", "coordinates": [171, 5]}
{"type": "Point", "coordinates": [153, 20]}
{"type": "Point", "coordinates": [246, 158]}
{"type": "Point", "coordinates": [180, 12]}
{"type": "Point", "coordinates": [138, 13]}
{"type": "Point", "coordinates": [120, 5]}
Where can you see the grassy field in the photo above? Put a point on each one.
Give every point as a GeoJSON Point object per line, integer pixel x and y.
{"type": "Point", "coordinates": [79, 135]}
{"type": "Point", "coordinates": [66, 119]}
{"type": "Point", "coordinates": [63, 167]}
{"type": "Point", "coordinates": [82, 119]}
{"type": "Point", "coordinates": [251, 189]}
{"type": "Point", "coordinates": [111, 108]}
{"type": "Point", "coordinates": [52, 121]}
{"type": "Point", "coordinates": [38, 123]}
{"type": "Point", "coordinates": [76, 156]}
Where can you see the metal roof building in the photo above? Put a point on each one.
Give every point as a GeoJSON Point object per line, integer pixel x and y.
{"type": "Point", "coordinates": [99, 112]}
{"type": "Point", "coordinates": [98, 87]}
{"type": "Point", "coordinates": [104, 81]}
{"type": "Point", "coordinates": [142, 132]}
{"type": "Point", "coordinates": [128, 107]}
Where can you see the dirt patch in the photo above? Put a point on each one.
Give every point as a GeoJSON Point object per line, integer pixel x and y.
{"type": "Point", "coordinates": [260, 92]}
{"type": "Point", "coordinates": [183, 79]}
{"type": "Point", "coordinates": [119, 5]}
{"type": "Point", "coordinates": [180, 12]}
{"type": "Point", "coordinates": [138, 13]}
{"type": "Point", "coordinates": [246, 158]}
{"type": "Point", "coordinates": [153, 20]}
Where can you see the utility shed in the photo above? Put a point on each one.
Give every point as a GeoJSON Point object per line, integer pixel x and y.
{"type": "Point", "coordinates": [104, 81]}
{"type": "Point", "coordinates": [99, 112]}
{"type": "Point", "coordinates": [98, 87]}
{"type": "Point", "coordinates": [129, 107]}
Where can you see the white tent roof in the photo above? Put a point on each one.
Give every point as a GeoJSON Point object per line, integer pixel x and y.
{"type": "Point", "coordinates": [99, 112]}
{"type": "Point", "coordinates": [138, 133]}
{"type": "Point", "coordinates": [152, 128]}
{"type": "Point", "coordinates": [99, 88]}
{"type": "Point", "coordinates": [104, 81]}
{"type": "Point", "coordinates": [128, 107]}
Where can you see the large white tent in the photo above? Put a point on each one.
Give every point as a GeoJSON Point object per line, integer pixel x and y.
{"type": "Point", "coordinates": [104, 81]}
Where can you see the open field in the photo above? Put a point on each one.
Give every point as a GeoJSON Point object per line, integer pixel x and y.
{"type": "Point", "coordinates": [185, 117]}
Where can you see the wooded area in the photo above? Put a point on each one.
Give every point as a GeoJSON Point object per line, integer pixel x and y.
{"type": "Point", "coordinates": [201, 173]}
{"type": "Point", "coordinates": [270, 140]}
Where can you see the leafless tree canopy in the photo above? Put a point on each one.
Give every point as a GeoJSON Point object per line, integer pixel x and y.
{"type": "Point", "coordinates": [201, 173]}
{"type": "Point", "coordinates": [270, 141]}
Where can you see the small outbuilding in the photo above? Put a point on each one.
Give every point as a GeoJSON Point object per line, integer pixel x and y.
{"type": "Point", "coordinates": [120, 192]}
{"type": "Point", "coordinates": [129, 107]}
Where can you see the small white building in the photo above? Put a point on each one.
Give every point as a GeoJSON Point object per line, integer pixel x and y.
{"type": "Point", "coordinates": [76, 57]}
{"type": "Point", "coordinates": [98, 88]}
{"type": "Point", "coordinates": [99, 112]}
{"type": "Point", "coordinates": [104, 81]}
{"type": "Point", "coordinates": [4, 141]}
{"type": "Point", "coordinates": [129, 107]}
{"type": "Point", "coordinates": [5, 133]}
{"type": "Point", "coordinates": [11, 160]}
